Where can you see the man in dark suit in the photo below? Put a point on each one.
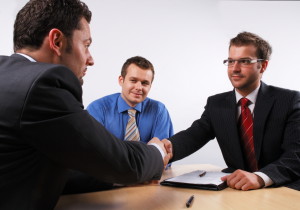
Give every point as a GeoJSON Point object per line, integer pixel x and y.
{"type": "Point", "coordinates": [270, 155]}
{"type": "Point", "coordinates": [44, 130]}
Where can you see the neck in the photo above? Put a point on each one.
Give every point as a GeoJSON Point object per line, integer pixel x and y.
{"type": "Point", "coordinates": [37, 55]}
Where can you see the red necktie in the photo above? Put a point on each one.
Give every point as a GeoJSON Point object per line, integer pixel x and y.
{"type": "Point", "coordinates": [246, 132]}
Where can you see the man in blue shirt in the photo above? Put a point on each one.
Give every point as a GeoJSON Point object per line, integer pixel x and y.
{"type": "Point", "coordinates": [152, 117]}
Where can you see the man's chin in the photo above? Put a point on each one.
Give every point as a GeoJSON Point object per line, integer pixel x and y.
{"type": "Point", "coordinates": [81, 81]}
{"type": "Point", "coordinates": [136, 101]}
{"type": "Point", "coordinates": [236, 84]}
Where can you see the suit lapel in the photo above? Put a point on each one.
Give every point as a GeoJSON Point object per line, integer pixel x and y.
{"type": "Point", "coordinates": [263, 105]}
{"type": "Point", "coordinates": [232, 131]}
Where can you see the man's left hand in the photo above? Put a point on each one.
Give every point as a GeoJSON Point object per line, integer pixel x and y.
{"type": "Point", "coordinates": [243, 180]}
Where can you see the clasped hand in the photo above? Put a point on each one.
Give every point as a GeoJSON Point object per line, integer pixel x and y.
{"type": "Point", "coordinates": [166, 147]}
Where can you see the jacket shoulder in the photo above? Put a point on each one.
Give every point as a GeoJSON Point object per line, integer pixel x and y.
{"type": "Point", "coordinates": [278, 90]}
{"type": "Point", "coordinates": [221, 96]}
{"type": "Point", "coordinates": [282, 94]}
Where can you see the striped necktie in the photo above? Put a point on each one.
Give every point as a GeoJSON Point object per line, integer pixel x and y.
{"type": "Point", "coordinates": [246, 133]}
{"type": "Point", "coordinates": [132, 131]}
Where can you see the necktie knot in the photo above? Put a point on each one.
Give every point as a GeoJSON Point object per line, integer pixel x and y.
{"type": "Point", "coordinates": [131, 112]}
{"type": "Point", "coordinates": [244, 101]}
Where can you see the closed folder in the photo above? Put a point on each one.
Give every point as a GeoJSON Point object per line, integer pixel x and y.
{"type": "Point", "coordinates": [209, 181]}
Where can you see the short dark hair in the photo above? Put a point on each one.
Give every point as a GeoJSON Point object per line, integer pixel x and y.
{"type": "Point", "coordinates": [141, 62]}
{"type": "Point", "coordinates": [264, 49]}
{"type": "Point", "coordinates": [35, 20]}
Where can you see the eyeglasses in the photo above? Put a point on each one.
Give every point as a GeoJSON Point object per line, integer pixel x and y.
{"type": "Point", "coordinates": [242, 62]}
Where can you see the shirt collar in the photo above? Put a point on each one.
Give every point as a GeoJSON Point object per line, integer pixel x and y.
{"type": "Point", "coordinates": [27, 56]}
{"type": "Point", "coordinates": [252, 96]}
{"type": "Point", "coordinates": [123, 106]}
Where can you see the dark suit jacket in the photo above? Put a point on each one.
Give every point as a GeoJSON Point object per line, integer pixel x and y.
{"type": "Point", "coordinates": [276, 133]}
{"type": "Point", "coordinates": [44, 131]}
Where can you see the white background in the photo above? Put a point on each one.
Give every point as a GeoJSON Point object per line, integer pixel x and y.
{"type": "Point", "coordinates": [186, 40]}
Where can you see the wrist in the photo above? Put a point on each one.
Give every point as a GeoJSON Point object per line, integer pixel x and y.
{"type": "Point", "coordinates": [260, 181]}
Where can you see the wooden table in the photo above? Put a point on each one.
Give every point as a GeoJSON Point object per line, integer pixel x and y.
{"type": "Point", "coordinates": [162, 197]}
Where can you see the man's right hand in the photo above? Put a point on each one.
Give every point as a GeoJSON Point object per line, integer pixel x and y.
{"type": "Point", "coordinates": [162, 145]}
{"type": "Point", "coordinates": [168, 147]}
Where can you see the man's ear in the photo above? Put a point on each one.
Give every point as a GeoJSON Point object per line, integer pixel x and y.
{"type": "Point", "coordinates": [264, 65]}
{"type": "Point", "coordinates": [56, 39]}
{"type": "Point", "coordinates": [121, 80]}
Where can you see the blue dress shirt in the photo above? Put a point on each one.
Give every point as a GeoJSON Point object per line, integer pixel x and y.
{"type": "Point", "coordinates": [152, 117]}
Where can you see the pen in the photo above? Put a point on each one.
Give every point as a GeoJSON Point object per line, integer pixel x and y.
{"type": "Point", "coordinates": [190, 201]}
{"type": "Point", "coordinates": [202, 173]}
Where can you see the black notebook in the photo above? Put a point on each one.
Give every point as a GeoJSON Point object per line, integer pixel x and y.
{"type": "Point", "coordinates": [208, 181]}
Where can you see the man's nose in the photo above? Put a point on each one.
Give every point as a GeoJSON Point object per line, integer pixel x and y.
{"type": "Point", "coordinates": [236, 66]}
{"type": "Point", "coordinates": [90, 61]}
{"type": "Point", "coordinates": [138, 85]}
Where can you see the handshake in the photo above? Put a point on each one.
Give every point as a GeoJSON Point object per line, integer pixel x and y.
{"type": "Point", "coordinates": [166, 146]}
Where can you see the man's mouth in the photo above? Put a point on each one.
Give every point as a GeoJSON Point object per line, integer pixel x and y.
{"type": "Point", "coordinates": [237, 76]}
{"type": "Point", "coordinates": [137, 94]}
{"type": "Point", "coordinates": [84, 72]}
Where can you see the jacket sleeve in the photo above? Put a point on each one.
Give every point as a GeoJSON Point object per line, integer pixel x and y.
{"type": "Point", "coordinates": [193, 138]}
{"type": "Point", "coordinates": [54, 123]}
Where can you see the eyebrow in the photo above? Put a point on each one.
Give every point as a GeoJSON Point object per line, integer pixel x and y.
{"type": "Point", "coordinates": [141, 80]}
{"type": "Point", "coordinates": [240, 58]}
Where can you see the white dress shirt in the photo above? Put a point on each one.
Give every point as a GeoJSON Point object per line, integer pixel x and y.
{"type": "Point", "coordinates": [28, 57]}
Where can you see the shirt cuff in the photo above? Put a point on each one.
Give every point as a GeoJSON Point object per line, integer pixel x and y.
{"type": "Point", "coordinates": [159, 149]}
{"type": "Point", "coordinates": [268, 181]}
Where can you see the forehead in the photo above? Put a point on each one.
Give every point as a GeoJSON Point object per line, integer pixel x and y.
{"type": "Point", "coordinates": [84, 32]}
{"type": "Point", "coordinates": [242, 51]}
{"type": "Point", "coordinates": [134, 71]}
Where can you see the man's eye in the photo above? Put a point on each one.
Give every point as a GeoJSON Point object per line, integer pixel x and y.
{"type": "Point", "coordinates": [230, 61]}
{"type": "Point", "coordinates": [245, 61]}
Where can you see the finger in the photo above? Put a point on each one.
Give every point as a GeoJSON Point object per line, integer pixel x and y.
{"type": "Point", "coordinates": [166, 160]}
{"type": "Point", "coordinates": [155, 182]}
{"type": "Point", "coordinates": [224, 178]}
{"type": "Point", "coordinates": [153, 140]}
{"type": "Point", "coordinates": [240, 184]}
{"type": "Point", "coordinates": [230, 177]}
{"type": "Point", "coordinates": [168, 146]}
{"type": "Point", "coordinates": [246, 187]}
{"type": "Point", "coordinates": [232, 180]}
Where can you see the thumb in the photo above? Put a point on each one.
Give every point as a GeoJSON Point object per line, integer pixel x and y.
{"type": "Point", "coordinates": [166, 159]}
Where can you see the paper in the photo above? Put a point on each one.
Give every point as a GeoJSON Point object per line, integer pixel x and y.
{"type": "Point", "coordinates": [194, 178]}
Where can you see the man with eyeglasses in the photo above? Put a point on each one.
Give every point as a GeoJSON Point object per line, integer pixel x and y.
{"type": "Point", "coordinates": [256, 125]}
